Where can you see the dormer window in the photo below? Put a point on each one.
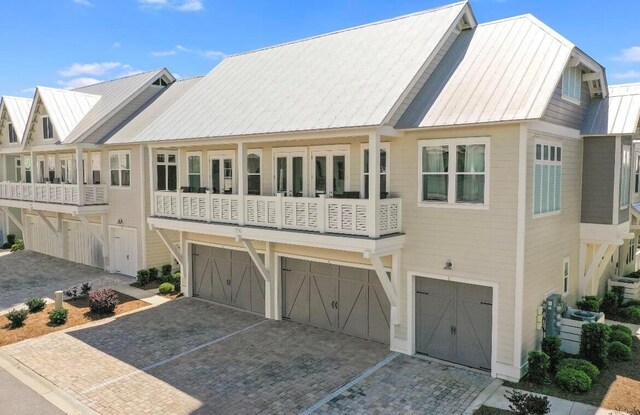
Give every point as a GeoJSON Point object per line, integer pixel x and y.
{"type": "Point", "coordinates": [13, 137]}
{"type": "Point", "coordinates": [47, 128]}
{"type": "Point", "coordinates": [572, 85]}
{"type": "Point", "coordinates": [160, 82]}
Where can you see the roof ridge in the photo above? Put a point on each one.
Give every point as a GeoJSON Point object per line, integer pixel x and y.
{"type": "Point", "coordinates": [189, 78]}
{"type": "Point", "coordinates": [534, 20]}
{"type": "Point", "coordinates": [117, 79]}
{"type": "Point", "coordinates": [14, 97]}
{"type": "Point", "coordinates": [349, 29]}
{"type": "Point", "coordinates": [67, 90]}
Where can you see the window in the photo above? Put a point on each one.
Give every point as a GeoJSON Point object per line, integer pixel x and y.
{"type": "Point", "coordinates": [47, 128]}
{"type": "Point", "coordinates": [625, 177]}
{"type": "Point", "coordinates": [194, 165]}
{"type": "Point", "coordinates": [454, 172]}
{"type": "Point", "coordinates": [221, 170]}
{"type": "Point", "coordinates": [18, 170]}
{"type": "Point", "coordinates": [167, 171]}
{"type": "Point", "coordinates": [66, 170]}
{"type": "Point", "coordinates": [120, 167]}
{"type": "Point", "coordinates": [13, 137]}
{"type": "Point", "coordinates": [27, 169]}
{"type": "Point", "coordinates": [95, 167]}
{"type": "Point", "coordinates": [52, 168]}
{"type": "Point", "coordinates": [565, 276]}
{"type": "Point", "coordinates": [637, 183]}
{"type": "Point", "coordinates": [160, 82]}
{"type": "Point", "coordinates": [384, 169]}
{"type": "Point", "coordinates": [547, 179]}
{"type": "Point", "coordinates": [572, 84]}
{"type": "Point", "coordinates": [254, 169]}
{"type": "Point", "coordinates": [631, 251]}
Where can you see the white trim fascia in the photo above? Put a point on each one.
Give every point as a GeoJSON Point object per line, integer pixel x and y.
{"type": "Point", "coordinates": [520, 244]}
{"type": "Point", "coordinates": [616, 179]}
{"type": "Point", "coordinates": [553, 129]}
{"type": "Point", "coordinates": [54, 207]}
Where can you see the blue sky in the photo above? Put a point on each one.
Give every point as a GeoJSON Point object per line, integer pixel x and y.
{"type": "Point", "coordinates": [67, 43]}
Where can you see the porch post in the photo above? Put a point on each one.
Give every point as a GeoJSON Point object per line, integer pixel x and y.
{"type": "Point", "coordinates": [106, 242]}
{"type": "Point", "coordinates": [33, 175]}
{"type": "Point", "coordinates": [242, 180]}
{"type": "Point", "coordinates": [4, 167]}
{"type": "Point", "coordinates": [152, 180]}
{"type": "Point", "coordinates": [373, 211]}
{"type": "Point", "coordinates": [79, 179]}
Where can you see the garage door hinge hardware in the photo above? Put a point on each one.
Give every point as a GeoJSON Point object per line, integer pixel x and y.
{"type": "Point", "coordinates": [422, 292]}
{"type": "Point", "coordinates": [485, 303]}
{"type": "Point", "coordinates": [284, 269]}
{"type": "Point", "coordinates": [454, 330]}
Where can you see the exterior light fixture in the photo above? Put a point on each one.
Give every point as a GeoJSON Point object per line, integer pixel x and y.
{"type": "Point", "coordinates": [448, 264]}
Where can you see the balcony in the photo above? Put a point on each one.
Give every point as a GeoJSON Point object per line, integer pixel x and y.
{"type": "Point", "coordinates": [320, 215]}
{"type": "Point", "coordinates": [62, 197]}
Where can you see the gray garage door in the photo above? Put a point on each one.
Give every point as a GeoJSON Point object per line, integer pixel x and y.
{"type": "Point", "coordinates": [227, 276]}
{"type": "Point", "coordinates": [453, 322]}
{"type": "Point", "coordinates": [344, 299]}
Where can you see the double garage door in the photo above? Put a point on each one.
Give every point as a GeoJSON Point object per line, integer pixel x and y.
{"type": "Point", "coordinates": [453, 322]}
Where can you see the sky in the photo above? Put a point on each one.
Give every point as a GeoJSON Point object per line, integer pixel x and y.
{"type": "Point", "coordinates": [71, 43]}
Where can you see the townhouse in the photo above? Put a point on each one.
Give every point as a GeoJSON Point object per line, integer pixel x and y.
{"type": "Point", "coordinates": [503, 173]}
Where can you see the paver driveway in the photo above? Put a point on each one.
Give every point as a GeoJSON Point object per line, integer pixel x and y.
{"type": "Point", "coordinates": [189, 356]}
{"type": "Point", "coordinates": [26, 274]}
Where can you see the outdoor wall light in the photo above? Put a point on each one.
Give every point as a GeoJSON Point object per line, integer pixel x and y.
{"type": "Point", "coordinates": [448, 264]}
{"type": "Point", "coordinates": [120, 221]}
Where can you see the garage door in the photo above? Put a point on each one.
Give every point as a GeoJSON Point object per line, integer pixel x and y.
{"type": "Point", "coordinates": [82, 246]}
{"type": "Point", "coordinates": [453, 322]}
{"type": "Point", "coordinates": [344, 299]}
{"type": "Point", "coordinates": [40, 237]}
{"type": "Point", "coordinates": [227, 276]}
{"type": "Point", "coordinates": [124, 252]}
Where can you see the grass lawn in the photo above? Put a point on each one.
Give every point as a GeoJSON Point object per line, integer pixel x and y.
{"type": "Point", "coordinates": [37, 324]}
{"type": "Point", "coordinates": [485, 410]}
{"type": "Point", "coordinates": [618, 387]}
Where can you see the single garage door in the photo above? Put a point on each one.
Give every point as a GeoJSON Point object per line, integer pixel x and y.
{"type": "Point", "coordinates": [344, 299]}
{"type": "Point", "coordinates": [453, 322]}
{"type": "Point", "coordinates": [82, 246]}
{"type": "Point", "coordinates": [227, 276]}
{"type": "Point", "coordinates": [40, 238]}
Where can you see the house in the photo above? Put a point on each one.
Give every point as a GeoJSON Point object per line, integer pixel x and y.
{"type": "Point", "coordinates": [502, 175]}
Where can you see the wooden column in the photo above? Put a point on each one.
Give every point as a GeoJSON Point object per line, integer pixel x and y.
{"type": "Point", "coordinates": [374, 186]}
{"type": "Point", "coordinates": [242, 181]}
{"type": "Point", "coordinates": [79, 170]}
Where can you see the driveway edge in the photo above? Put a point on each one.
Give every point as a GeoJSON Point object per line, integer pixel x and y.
{"type": "Point", "coordinates": [49, 391]}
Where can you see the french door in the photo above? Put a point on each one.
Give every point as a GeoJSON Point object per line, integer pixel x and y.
{"type": "Point", "coordinates": [289, 173]}
{"type": "Point", "coordinates": [329, 175]}
{"type": "Point", "coordinates": [221, 170]}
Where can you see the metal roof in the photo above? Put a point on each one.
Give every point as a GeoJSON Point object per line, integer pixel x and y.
{"type": "Point", "coordinates": [18, 110]}
{"type": "Point", "coordinates": [348, 78]}
{"type": "Point", "coordinates": [500, 71]}
{"type": "Point", "coordinates": [144, 116]}
{"type": "Point", "coordinates": [619, 113]}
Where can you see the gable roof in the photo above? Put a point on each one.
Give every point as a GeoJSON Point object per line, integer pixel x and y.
{"type": "Point", "coordinates": [348, 78]}
{"type": "Point", "coordinates": [18, 110]}
{"type": "Point", "coordinates": [128, 130]}
{"type": "Point", "coordinates": [505, 70]}
{"type": "Point", "coordinates": [619, 113]}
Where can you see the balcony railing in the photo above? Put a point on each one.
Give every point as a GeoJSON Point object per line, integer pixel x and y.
{"type": "Point", "coordinates": [64, 194]}
{"type": "Point", "coordinates": [323, 215]}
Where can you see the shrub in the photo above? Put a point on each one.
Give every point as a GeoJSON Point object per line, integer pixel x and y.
{"type": "Point", "coordinates": [174, 279]}
{"type": "Point", "coordinates": [619, 292]}
{"type": "Point", "coordinates": [153, 274]}
{"type": "Point", "coordinates": [143, 277]}
{"type": "Point", "coordinates": [620, 336]}
{"type": "Point", "coordinates": [619, 352]}
{"type": "Point", "coordinates": [11, 239]}
{"type": "Point", "coordinates": [58, 316]}
{"type": "Point", "coordinates": [622, 328]}
{"type": "Point", "coordinates": [573, 380]}
{"type": "Point", "coordinates": [594, 342]}
{"type": "Point", "coordinates": [166, 270]}
{"type": "Point", "coordinates": [6, 245]}
{"type": "Point", "coordinates": [17, 317]}
{"type": "Point", "coordinates": [538, 364]}
{"type": "Point", "coordinates": [583, 365]}
{"type": "Point", "coordinates": [18, 246]}
{"type": "Point", "coordinates": [589, 303]}
{"type": "Point", "coordinates": [551, 346]}
{"type": "Point", "coordinates": [35, 304]}
{"type": "Point", "coordinates": [630, 314]}
{"type": "Point", "coordinates": [609, 303]}
{"type": "Point", "coordinates": [103, 301]}
{"type": "Point", "coordinates": [85, 289]}
{"type": "Point", "coordinates": [527, 404]}
{"type": "Point", "coordinates": [632, 303]}
{"type": "Point", "coordinates": [166, 288]}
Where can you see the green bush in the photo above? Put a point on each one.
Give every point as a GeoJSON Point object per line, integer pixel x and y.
{"type": "Point", "coordinates": [166, 270]}
{"type": "Point", "coordinates": [594, 342]}
{"type": "Point", "coordinates": [632, 303]}
{"type": "Point", "coordinates": [589, 303]}
{"type": "Point", "coordinates": [17, 317]}
{"type": "Point", "coordinates": [609, 303]}
{"type": "Point", "coordinates": [622, 328]}
{"type": "Point", "coordinates": [620, 336]}
{"type": "Point", "coordinates": [6, 245]}
{"type": "Point", "coordinates": [527, 404]}
{"type": "Point", "coordinates": [630, 314]}
{"type": "Point", "coordinates": [573, 380]}
{"type": "Point", "coordinates": [11, 239]}
{"type": "Point", "coordinates": [143, 277]}
{"type": "Point", "coordinates": [580, 364]}
{"type": "Point", "coordinates": [551, 346]}
{"type": "Point", "coordinates": [538, 364]}
{"type": "Point", "coordinates": [174, 279]}
{"type": "Point", "coordinates": [58, 316]}
{"type": "Point", "coordinates": [166, 288]}
{"type": "Point", "coordinates": [35, 304]}
{"type": "Point", "coordinates": [619, 292]}
{"type": "Point", "coordinates": [153, 274]}
{"type": "Point", "coordinates": [18, 246]}
{"type": "Point", "coordinates": [619, 352]}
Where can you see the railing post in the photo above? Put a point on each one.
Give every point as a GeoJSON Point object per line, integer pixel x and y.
{"type": "Point", "coordinates": [179, 210]}
{"type": "Point", "coordinates": [207, 205]}
{"type": "Point", "coordinates": [279, 210]}
{"type": "Point", "coordinates": [322, 213]}
{"type": "Point", "coordinates": [48, 192]}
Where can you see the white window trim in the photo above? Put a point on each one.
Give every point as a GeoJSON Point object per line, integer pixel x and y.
{"type": "Point", "coordinates": [231, 154]}
{"type": "Point", "coordinates": [329, 150]}
{"type": "Point", "coordinates": [17, 165]}
{"type": "Point", "coordinates": [294, 151]}
{"type": "Point", "coordinates": [167, 153]}
{"type": "Point", "coordinates": [9, 129]}
{"type": "Point", "coordinates": [383, 146]}
{"type": "Point", "coordinates": [256, 152]}
{"type": "Point", "coordinates": [625, 206]}
{"type": "Point", "coordinates": [69, 161]}
{"type": "Point", "coordinates": [533, 175]}
{"type": "Point", "coordinates": [202, 169]}
{"type": "Point", "coordinates": [454, 141]}
{"type": "Point", "coordinates": [636, 174]}
{"type": "Point", "coordinates": [49, 123]}
{"type": "Point", "coordinates": [120, 186]}
{"type": "Point", "coordinates": [565, 261]}
{"type": "Point", "coordinates": [566, 97]}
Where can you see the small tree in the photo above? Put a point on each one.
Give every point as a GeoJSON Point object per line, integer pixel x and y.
{"type": "Point", "coordinates": [551, 346]}
{"type": "Point", "coordinates": [594, 343]}
{"type": "Point", "coordinates": [538, 364]}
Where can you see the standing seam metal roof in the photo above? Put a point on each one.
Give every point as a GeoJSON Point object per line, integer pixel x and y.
{"type": "Point", "coordinates": [18, 110]}
{"type": "Point", "coordinates": [619, 113]}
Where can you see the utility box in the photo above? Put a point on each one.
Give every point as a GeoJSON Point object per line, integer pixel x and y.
{"type": "Point", "coordinates": [552, 315]}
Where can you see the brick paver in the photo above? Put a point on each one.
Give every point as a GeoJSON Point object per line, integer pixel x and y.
{"type": "Point", "coordinates": [26, 274]}
{"type": "Point", "coordinates": [271, 368]}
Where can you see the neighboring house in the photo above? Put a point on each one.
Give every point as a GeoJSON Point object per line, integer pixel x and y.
{"type": "Point", "coordinates": [500, 178]}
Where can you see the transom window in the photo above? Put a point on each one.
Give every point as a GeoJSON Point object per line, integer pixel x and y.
{"type": "Point", "coordinates": [13, 137]}
{"type": "Point", "coordinates": [47, 128]}
{"type": "Point", "coordinates": [548, 179]}
{"type": "Point", "coordinates": [625, 177]}
{"type": "Point", "coordinates": [572, 84]}
{"type": "Point", "coordinates": [454, 172]}
{"type": "Point", "coordinates": [167, 171]}
{"type": "Point", "coordinates": [384, 170]}
{"type": "Point", "coordinates": [120, 167]}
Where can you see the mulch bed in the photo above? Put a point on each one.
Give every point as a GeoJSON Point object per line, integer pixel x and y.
{"type": "Point", "coordinates": [37, 324]}
{"type": "Point", "coordinates": [485, 410]}
{"type": "Point", "coordinates": [149, 286]}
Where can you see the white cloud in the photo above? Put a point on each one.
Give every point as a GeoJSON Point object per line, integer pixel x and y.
{"type": "Point", "coordinates": [631, 54]}
{"type": "Point", "coordinates": [94, 69]}
{"type": "Point", "coordinates": [78, 82]}
{"type": "Point", "coordinates": [116, 45]}
{"type": "Point", "coordinates": [631, 74]}
{"type": "Point", "coordinates": [28, 91]}
{"type": "Point", "coordinates": [179, 5]}
{"type": "Point", "coordinates": [163, 53]}
{"type": "Point", "coordinates": [83, 2]}
{"type": "Point", "coordinates": [208, 54]}
{"type": "Point", "coordinates": [213, 54]}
